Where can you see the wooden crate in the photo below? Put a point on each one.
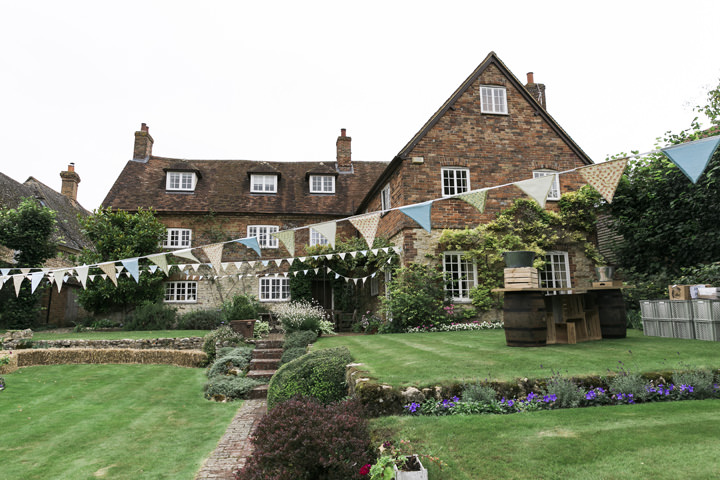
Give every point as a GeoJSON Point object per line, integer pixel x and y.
{"type": "Point", "coordinates": [521, 277]}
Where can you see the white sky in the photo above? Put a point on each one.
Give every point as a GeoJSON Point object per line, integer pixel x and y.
{"type": "Point", "coordinates": [277, 80]}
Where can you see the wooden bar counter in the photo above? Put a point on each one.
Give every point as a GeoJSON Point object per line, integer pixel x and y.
{"type": "Point", "coordinates": [533, 318]}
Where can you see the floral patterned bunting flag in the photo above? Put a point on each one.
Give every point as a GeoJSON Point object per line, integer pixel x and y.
{"type": "Point", "coordinates": [604, 177]}
{"type": "Point", "coordinates": [214, 254]}
{"type": "Point", "coordinates": [367, 225]}
{"type": "Point", "coordinates": [476, 199]}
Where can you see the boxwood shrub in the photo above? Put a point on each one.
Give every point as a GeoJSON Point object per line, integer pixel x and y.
{"type": "Point", "coordinates": [199, 320]}
{"type": "Point", "coordinates": [291, 354]}
{"type": "Point", "coordinates": [319, 374]}
{"type": "Point", "coordinates": [302, 338]}
{"type": "Point", "coordinates": [303, 439]}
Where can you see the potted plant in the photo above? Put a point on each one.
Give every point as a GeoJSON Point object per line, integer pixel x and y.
{"type": "Point", "coordinates": [519, 258]}
{"type": "Point", "coordinates": [394, 464]}
{"type": "Point", "coordinates": [241, 313]}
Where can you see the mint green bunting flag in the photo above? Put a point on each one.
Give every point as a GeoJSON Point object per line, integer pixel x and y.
{"type": "Point", "coordinates": [692, 157]}
{"type": "Point", "coordinates": [131, 264]}
{"type": "Point", "coordinates": [420, 213]}
{"type": "Point", "coordinates": [250, 242]}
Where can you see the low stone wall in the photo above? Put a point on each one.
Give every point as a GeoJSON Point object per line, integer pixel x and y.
{"type": "Point", "coordinates": [191, 343]}
{"type": "Point", "coordinates": [68, 356]}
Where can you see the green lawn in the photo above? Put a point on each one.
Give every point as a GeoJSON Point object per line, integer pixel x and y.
{"type": "Point", "coordinates": [108, 421]}
{"type": "Point", "coordinates": [119, 335]}
{"type": "Point", "coordinates": [424, 359]}
{"type": "Point", "coordinates": [657, 440]}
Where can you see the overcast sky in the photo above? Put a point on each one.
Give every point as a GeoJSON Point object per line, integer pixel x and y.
{"type": "Point", "coordinates": [277, 80]}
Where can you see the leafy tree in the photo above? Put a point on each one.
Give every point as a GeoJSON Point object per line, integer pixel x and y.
{"type": "Point", "coordinates": [417, 297]}
{"type": "Point", "coordinates": [667, 222]}
{"type": "Point", "coordinates": [118, 235]}
{"type": "Point", "coordinates": [27, 229]}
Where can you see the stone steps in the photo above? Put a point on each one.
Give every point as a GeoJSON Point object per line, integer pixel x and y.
{"type": "Point", "coordinates": [264, 363]}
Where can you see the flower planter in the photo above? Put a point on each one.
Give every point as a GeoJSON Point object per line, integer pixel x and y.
{"type": "Point", "coordinates": [519, 258]}
{"type": "Point", "coordinates": [420, 474]}
{"type": "Point", "coordinates": [245, 328]}
{"type": "Point", "coordinates": [605, 274]}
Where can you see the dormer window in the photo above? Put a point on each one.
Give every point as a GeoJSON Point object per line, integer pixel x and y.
{"type": "Point", "coordinates": [263, 183]}
{"type": "Point", "coordinates": [322, 184]}
{"type": "Point", "coordinates": [493, 100]}
{"type": "Point", "coordinates": [181, 181]}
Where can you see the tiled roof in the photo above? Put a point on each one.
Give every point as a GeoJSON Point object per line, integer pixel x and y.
{"type": "Point", "coordinates": [224, 187]}
{"type": "Point", "coordinates": [68, 229]}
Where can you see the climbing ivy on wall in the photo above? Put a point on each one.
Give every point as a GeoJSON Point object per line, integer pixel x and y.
{"type": "Point", "coordinates": [525, 226]}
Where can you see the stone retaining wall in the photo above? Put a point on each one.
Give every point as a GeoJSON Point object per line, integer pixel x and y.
{"type": "Point", "coordinates": [191, 343]}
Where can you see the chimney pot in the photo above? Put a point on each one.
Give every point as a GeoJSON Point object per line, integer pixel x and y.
{"type": "Point", "coordinates": [342, 132]}
{"type": "Point", "coordinates": [530, 77]}
{"type": "Point", "coordinates": [144, 127]}
{"type": "Point", "coordinates": [71, 167]}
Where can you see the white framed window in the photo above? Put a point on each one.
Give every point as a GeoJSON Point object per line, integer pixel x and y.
{"type": "Point", "coordinates": [455, 180]}
{"type": "Point", "coordinates": [180, 181]}
{"type": "Point", "coordinates": [262, 232]}
{"type": "Point", "coordinates": [177, 238]}
{"type": "Point", "coordinates": [385, 198]}
{"type": "Point", "coordinates": [274, 289]}
{"type": "Point", "coordinates": [556, 273]}
{"type": "Point", "coordinates": [554, 193]}
{"type": "Point", "coordinates": [322, 184]}
{"type": "Point", "coordinates": [374, 286]}
{"type": "Point", "coordinates": [460, 276]}
{"type": "Point", "coordinates": [263, 183]}
{"type": "Point", "coordinates": [180, 292]}
{"type": "Point", "coordinates": [493, 100]}
{"type": "Point", "coordinates": [317, 238]}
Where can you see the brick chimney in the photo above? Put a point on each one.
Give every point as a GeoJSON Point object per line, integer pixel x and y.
{"type": "Point", "coordinates": [143, 144]}
{"type": "Point", "coordinates": [537, 90]}
{"type": "Point", "coordinates": [70, 181]}
{"type": "Point", "coordinates": [344, 161]}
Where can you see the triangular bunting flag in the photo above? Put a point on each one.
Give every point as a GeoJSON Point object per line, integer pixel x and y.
{"type": "Point", "coordinates": [35, 278]}
{"type": "Point", "coordinates": [238, 264]}
{"type": "Point", "coordinates": [25, 271]}
{"type": "Point", "coordinates": [161, 261]}
{"type": "Point", "coordinates": [109, 269]}
{"type": "Point", "coordinates": [302, 259]}
{"type": "Point", "coordinates": [693, 157]}
{"type": "Point", "coordinates": [17, 280]}
{"type": "Point", "coordinates": [327, 230]}
{"type": "Point", "coordinates": [329, 256]}
{"type": "Point", "coordinates": [375, 251]}
{"type": "Point", "coordinates": [196, 266]}
{"type": "Point", "coordinates": [214, 254]}
{"type": "Point", "coordinates": [82, 274]}
{"type": "Point", "coordinates": [225, 266]}
{"type": "Point", "coordinates": [538, 188]}
{"type": "Point", "coordinates": [342, 255]}
{"type": "Point", "coordinates": [131, 264]}
{"type": "Point", "coordinates": [367, 225]}
{"type": "Point", "coordinates": [251, 242]}
{"type": "Point", "coordinates": [186, 254]}
{"type": "Point", "coordinates": [4, 271]}
{"type": "Point", "coordinates": [316, 270]}
{"type": "Point", "coordinates": [290, 260]}
{"type": "Point", "coordinates": [265, 262]}
{"type": "Point", "coordinates": [420, 213]}
{"type": "Point", "coordinates": [476, 199]}
{"type": "Point", "coordinates": [604, 177]}
{"type": "Point", "coordinates": [153, 268]}
{"type": "Point", "coordinates": [287, 237]}
{"type": "Point", "coordinates": [278, 261]}
{"type": "Point", "coordinates": [353, 254]}
{"type": "Point", "coordinates": [251, 263]}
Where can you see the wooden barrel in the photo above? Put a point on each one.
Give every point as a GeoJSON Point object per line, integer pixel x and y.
{"type": "Point", "coordinates": [524, 318]}
{"type": "Point", "coordinates": [611, 310]}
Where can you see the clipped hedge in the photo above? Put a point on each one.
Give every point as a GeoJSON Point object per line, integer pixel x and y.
{"type": "Point", "coordinates": [63, 356]}
{"type": "Point", "coordinates": [319, 374]}
{"type": "Point", "coordinates": [291, 354]}
{"type": "Point", "coordinates": [238, 358]}
{"type": "Point", "coordinates": [229, 387]}
{"type": "Point", "coordinates": [303, 338]}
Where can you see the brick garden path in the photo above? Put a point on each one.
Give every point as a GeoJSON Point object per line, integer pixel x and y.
{"type": "Point", "coordinates": [234, 447]}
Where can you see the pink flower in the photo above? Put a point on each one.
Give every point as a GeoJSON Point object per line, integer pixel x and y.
{"type": "Point", "coordinates": [365, 469]}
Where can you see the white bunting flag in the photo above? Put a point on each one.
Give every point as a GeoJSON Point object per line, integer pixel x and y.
{"type": "Point", "coordinates": [327, 230]}
{"type": "Point", "coordinates": [538, 188]}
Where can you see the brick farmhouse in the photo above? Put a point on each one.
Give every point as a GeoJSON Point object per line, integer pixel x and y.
{"type": "Point", "coordinates": [492, 130]}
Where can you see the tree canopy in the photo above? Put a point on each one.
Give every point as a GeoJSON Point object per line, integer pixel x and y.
{"type": "Point", "coordinates": [667, 222]}
{"type": "Point", "coordinates": [28, 230]}
{"type": "Point", "coordinates": [118, 235]}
